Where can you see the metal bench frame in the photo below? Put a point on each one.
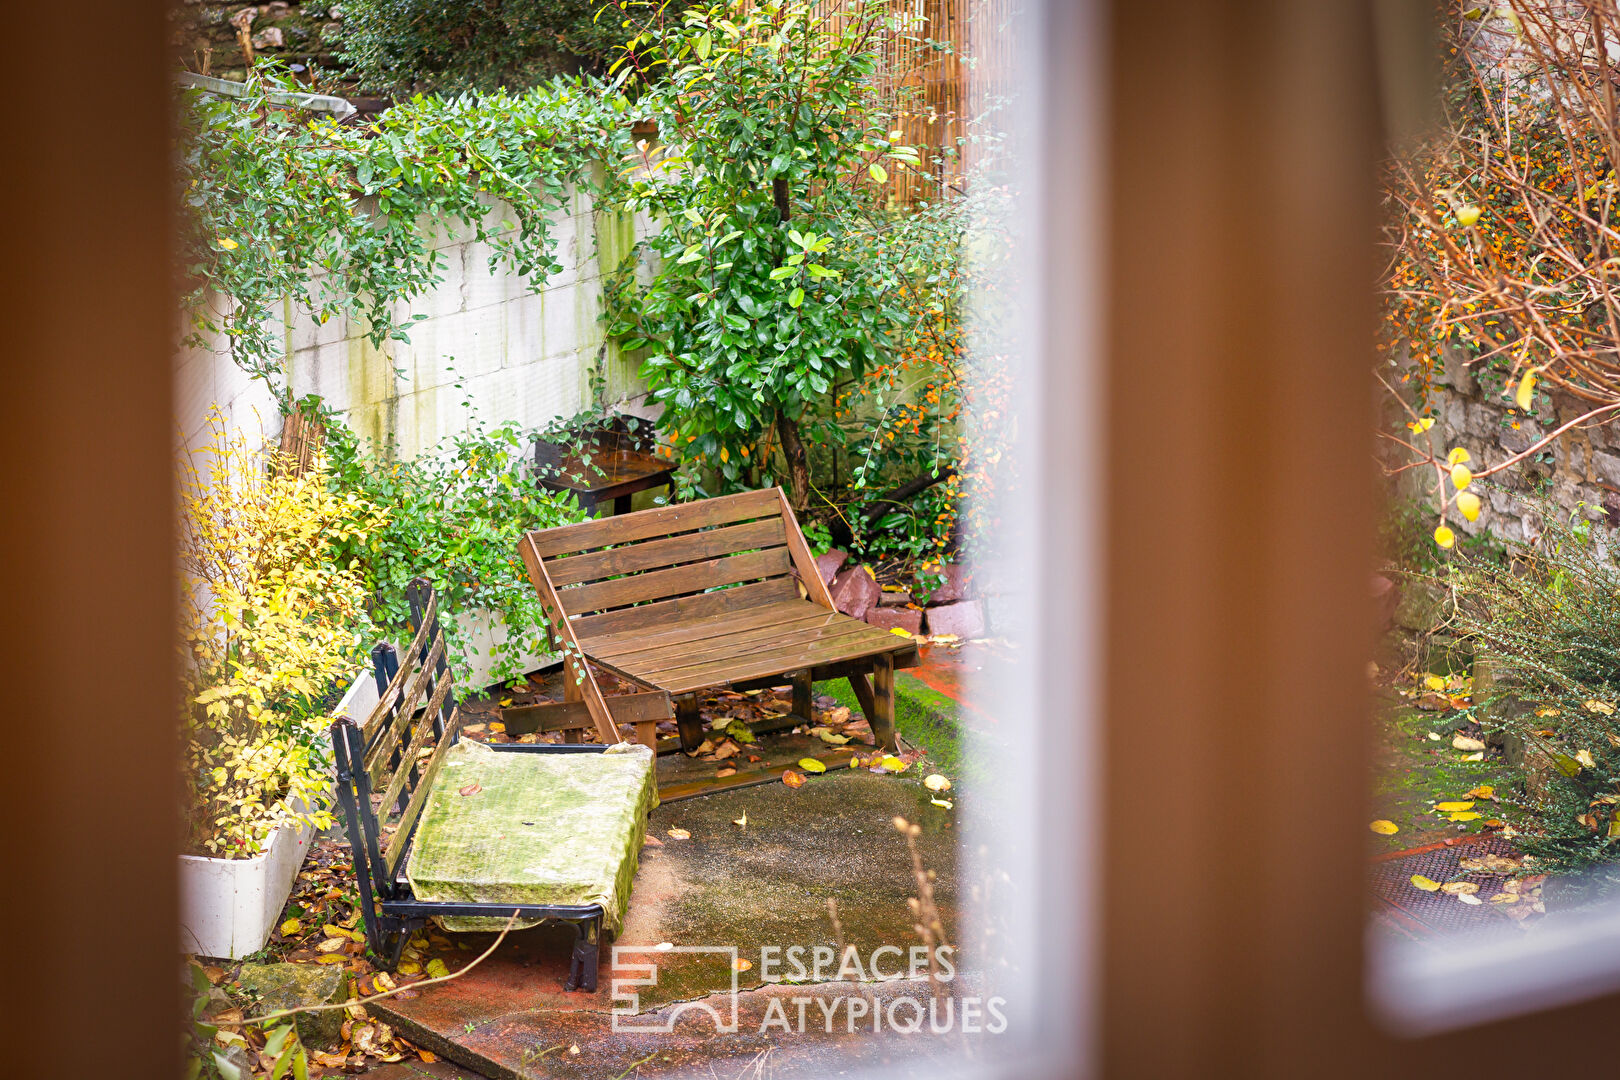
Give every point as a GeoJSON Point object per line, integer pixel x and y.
{"type": "Point", "coordinates": [391, 912]}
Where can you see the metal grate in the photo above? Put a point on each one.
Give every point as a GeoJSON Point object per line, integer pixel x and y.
{"type": "Point", "coordinates": [1420, 913]}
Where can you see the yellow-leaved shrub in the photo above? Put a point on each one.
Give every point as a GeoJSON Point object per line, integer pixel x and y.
{"type": "Point", "coordinates": [272, 628]}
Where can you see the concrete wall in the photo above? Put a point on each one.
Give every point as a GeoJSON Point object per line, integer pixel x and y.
{"type": "Point", "coordinates": [519, 354]}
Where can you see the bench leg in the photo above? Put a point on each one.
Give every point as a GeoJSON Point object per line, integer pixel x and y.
{"type": "Point", "coordinates": [689, 722]}
{"type": "Point", "coordinates": [582, 967]}
{"type": "Point", "coordinates": [802, 707]}
{"type": "Point", "coordinates": [571, 692]}
{"type": "Point", "coordinates": [881, 713]}
{"type": "Point", "coordinates": [647, 733]}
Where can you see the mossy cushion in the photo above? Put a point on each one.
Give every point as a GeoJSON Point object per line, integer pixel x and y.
{"type": "Point", "coordinates": [538, 829]}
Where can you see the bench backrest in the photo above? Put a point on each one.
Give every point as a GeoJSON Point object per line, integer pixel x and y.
{"type": "Point", "coordinates": [387, 763]}
{"type": "Point", "coordinates": [667, 565]}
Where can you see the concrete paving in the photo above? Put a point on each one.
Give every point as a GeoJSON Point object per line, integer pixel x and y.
{"type": "Point", "coordinates": [743, 888]}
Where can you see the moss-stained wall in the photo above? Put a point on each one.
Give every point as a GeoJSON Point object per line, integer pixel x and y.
{"type": "Point", "coordinates": [488, 342]}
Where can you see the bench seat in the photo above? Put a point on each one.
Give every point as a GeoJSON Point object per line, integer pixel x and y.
{"type": "Point", "coordinates": [732, 647]}
{"type": "Point", "coordinates": [540, 829]}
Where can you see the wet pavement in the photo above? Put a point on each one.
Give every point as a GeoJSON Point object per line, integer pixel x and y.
{"type": "Point", "coordinates": [757, 872]}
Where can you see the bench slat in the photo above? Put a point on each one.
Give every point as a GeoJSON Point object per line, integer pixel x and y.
{"type": "Point", "coordinates": [396, 684]}
{"type": "Point", "coordinates": [801, 628]}
{"type": "Point", "coordinates": [610, 645]}
{"type": "Point", "coordinates": [396, 843]}
{"type": "Point", "coordinates": [666, 613]}
{"type": "Point", "coordinates": [653, 554]}
{"type": "Point", "coordinates": [646, 524]}
{"type": "Point", "coordinates": [419, 738]}
{"type": "Point", "coordinates": [771, 663]}
{"type": "Point", "coordinates": [384, 746]}
{"type": "Point", "coordinates": [846, 634]}
{"type": "Point", "coordinates": [676, 581]}
{"type": "Point", "coordinates": [565, 715]}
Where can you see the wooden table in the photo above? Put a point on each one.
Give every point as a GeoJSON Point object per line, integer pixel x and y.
{"type": "Point", "coordinates": [611, 474]}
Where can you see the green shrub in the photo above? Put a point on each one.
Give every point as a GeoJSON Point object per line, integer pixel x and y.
{"type": "Point", "coordinates": [479, 45]}
{"type": "Point", "coordinates": [1549, 624]}
{"type": "Point", "coordinates": [456, 513]}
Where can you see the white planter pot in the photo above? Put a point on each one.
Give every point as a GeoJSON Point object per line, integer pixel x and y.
{"type": "Point", "coordinates": [227, 906]}
{"type": "Point", "coordinates": [483, 629]}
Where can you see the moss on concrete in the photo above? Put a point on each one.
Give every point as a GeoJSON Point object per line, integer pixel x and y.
{"type": "Point", "coordinates": [923, 717]}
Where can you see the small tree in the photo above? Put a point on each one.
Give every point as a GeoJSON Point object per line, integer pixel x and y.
{"type": "Point", "coordinates": [776, 279]}
{"type": "Point", "coordinates": [1502, 226]}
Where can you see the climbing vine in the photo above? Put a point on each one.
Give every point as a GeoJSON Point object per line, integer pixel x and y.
{"type": "Point", "coordinates": [339, 220]}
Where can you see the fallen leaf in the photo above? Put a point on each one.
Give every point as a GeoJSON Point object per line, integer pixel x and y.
{"type": "Point", "coordinates": [1463, 742]}
{"type": "Point", "coordinates": [902, 631]}
{"type": "Point", "coordinates": [330, 958]}
{"type": "Point", "coordinates": [1458, 888]}
{"type": "Point", "coordinates": [408, 967]}
{"type": "Point", "coordinates": [793, 779]}
{"type": "Point", "coordinates": [829, 737]}
{"type": "Point", "coordinates": [741, 964]}
{"type": "Point", "coordinates": [1484, 791]}
{"type": "Point", "coordinates": [1602, 708]}
{"type": "Point", "coordinates": [1477, 756]}
{"type": "Point", "coordinates": [1547, 710]}
{"type": "Point", "coordinates": [472, 729]}
{"type": "Point", "coordinates": [725, 772]}
{"type": "Point", "coordinates": [329, 1061]}
{"type": "Point", "coordinates": [651, 841]}
{"type": "Point", "coordinates": [1449, 807]}
{"type": "Point", "coordinates": [743, 821]}
{"type": "Point", "coordinates": [1585, 758]}
{"type": "Point", "coordinates": [428, 1056]}
{"type": "Point", "coordinates": [1384, 828]}
{"type": "Point", "coordinates": [291, 927]}
{"type": "Point", "coordinates": [1435, 682]}
{"type": "Point", "coordinates": [1426, 884]}
{"type": "Point", "coordinates": [893, 764]}
{"type": "Point", "coordinates": [946, 803]}
{"type": "Point", "coordinates": [436, 969]}
{"type": "Point", "coordinates": [214, 973]}
{"type": "Point", "coordinates": [472, 789]}
{"type": "Point", "coordinates": [726, 749]}
{"type": "Point", "coordinates": [1469, 898]}
{"type": "Point", "coordinates": [332, 944]}
{"type": "Point", "coordinates": [1435, 736]}
{"type": "Point", "coordinates": [936, 782]}
{"type": "Point", "coordinates": [1566, 764]}
{"type": "Point", "coordinates": [811, 765]}
{"type": "Point", "coordinates": [1505, 898]}
{"type": "Point", "coordinates": [497, 726]}
{"type": "Point", "coordinates": [680, 834]}
{"type": "Point", "coordinates": [382, 981]}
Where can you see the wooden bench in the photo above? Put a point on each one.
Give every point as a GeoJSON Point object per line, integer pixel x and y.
{"type": "Point", "coordinates": [684, 598]}
{"type": "Point", "coordinates": [394, 764]}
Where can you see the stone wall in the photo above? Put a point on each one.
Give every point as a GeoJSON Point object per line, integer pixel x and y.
{"type": "Point", "coordinates": [1581, 466]}
{"type": "Point", "coordinates": [297, 31]}
{"type": "Point", "coordinates": [488, 343]}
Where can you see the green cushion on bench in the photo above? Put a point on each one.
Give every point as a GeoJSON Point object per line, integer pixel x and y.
{"type": "Point", "coordinates": [548, 828]}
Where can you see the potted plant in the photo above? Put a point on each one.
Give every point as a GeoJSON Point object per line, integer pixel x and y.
{"type": "Point", "coordinates": [273, 636]}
